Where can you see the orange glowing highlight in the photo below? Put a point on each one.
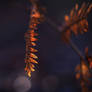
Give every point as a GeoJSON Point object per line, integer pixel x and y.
{"type": "Point", "coordinates": [76, 22]}
{"type": "Point", "coordinates": [31, 38]}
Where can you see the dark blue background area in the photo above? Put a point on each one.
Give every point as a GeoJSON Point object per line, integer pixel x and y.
{"type": "Point", "coordinates": [57, 61]}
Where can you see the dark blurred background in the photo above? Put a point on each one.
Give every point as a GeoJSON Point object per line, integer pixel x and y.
{"type": "Point", "coordinates": [57, 61]}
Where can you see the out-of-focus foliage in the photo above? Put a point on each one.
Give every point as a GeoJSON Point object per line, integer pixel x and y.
{"type": "Point", "coordinates": [83, 72]}
{"type": "Point", "coordinates": [76, 22]}
{"type": "Point", "coordinates": [89, 58]}
{"type": "Point", "coordinates": [83, 68]}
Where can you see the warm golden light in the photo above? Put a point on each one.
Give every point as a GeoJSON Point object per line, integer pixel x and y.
{"type": "Point", "coordinates": [31, 38]}
{"type": "Point", "coordinates": [76, 22]}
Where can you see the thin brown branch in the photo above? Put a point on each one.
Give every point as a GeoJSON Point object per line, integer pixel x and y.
{"type": "Point", "coordinates": [55, 27]}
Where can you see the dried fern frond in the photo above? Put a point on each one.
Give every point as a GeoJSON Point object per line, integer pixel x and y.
{"type": "Point", "coordinates": [31, 38]}
{"type": "Point", "coordinates": [76, 22]}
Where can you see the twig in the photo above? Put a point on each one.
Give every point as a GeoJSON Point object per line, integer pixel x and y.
{"type": "Point", "coordinates": [74, 47]}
